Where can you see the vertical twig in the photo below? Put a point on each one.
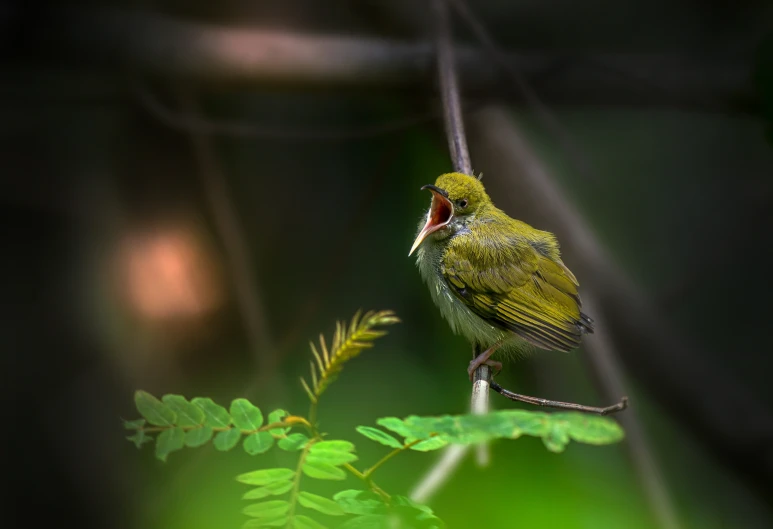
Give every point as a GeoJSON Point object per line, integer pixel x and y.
{"type": "Point", "coordinates": [238, 257]}
{"type": "Point", "coordinates": [460, 156]}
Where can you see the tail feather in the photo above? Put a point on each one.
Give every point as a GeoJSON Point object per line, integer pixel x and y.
{"type": "Point", "coordinates": [585, 324]}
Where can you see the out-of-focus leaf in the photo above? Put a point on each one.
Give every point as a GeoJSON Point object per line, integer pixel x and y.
{"type": "Point", "coordinates": [319, 470]}
{"type": "Point", "coordinates": [272, 489]}
{"type": "Point", "coordinates": [227, 439]}
{"type": "Point", "coordinates": [216, 416]}
{"type": "Point", "coordinates": [139, 438]}
{"type": "Point", "coordinates": [427, 445]}
{"type": "Point", "coordinates": [155, 411]}
{"type": "Point", "coordinates": [331, 452]}
{"type": "Point", "coordinates": [245, 415]}
{"type": "Point", "coordinates": [554, 428]}
{"type": "Point", "coordinates": [266, 476]}
{"type": "Point", "coordinates": [267, 509]}
{"type": "Point", "coordinates": [169, 441]}
{"type": "Point", "coordinates": [374, 434]}
{"type": "Point", "coordinates": [198, 436]}
{"type": "Point", "coordinates": [274, 521]}
{"type": "Point", "coordinates": [258, 442]}
{"type": "Point", "coordinates": [134, 425]}
{"type": "Point", "coordinates": [360, 502]}
{"type": "Point", "coordinates": [293, 442]}
{"type": "Point", "coordinates": [304, 522]}
{"type": "Point", "coordinates": [369, 521]}
{"type": "Point", "coordinates": [187, 413]}
{"type": "Point", "coordinates": [332, 446]}
{"type": "Point", "coordinates": [319, 503]}
{"type": "Point", "coordinates": [277, 416]}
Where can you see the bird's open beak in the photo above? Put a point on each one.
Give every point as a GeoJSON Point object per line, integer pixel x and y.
{"type": "Point", "coordinates": [440, 213]}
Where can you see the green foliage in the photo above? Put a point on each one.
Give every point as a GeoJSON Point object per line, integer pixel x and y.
{"type": "Point", "coordinates": [555, 429]}
{"type": "Point", "coordinates": [276, 495]}
{"type": "Point", "coordinates": [293, 442]}
{"type": "Point", "coordinates": [347, 343]}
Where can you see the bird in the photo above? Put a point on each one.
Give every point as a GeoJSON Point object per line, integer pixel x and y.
{"type": "Point", "coordinates": [497, 281]}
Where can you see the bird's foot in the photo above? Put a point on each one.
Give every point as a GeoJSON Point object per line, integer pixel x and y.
{"type": "Point", "coordinates": [475, 364]}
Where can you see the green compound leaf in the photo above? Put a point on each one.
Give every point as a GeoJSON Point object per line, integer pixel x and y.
{"type": "Point", "coordinates": [134, 425]}
{"type": "Point", "coordinates": [557, 438]}
{"type": "Point", "coordinates": [369, 521]}
{"type": "Point", "coordinates": [404, 501]}
{"type": "Point", "coordinates": [272, 489]}
{"type": "Point", "coordinates": [320, 470]}
{"type": "Point", "coordinates": [245, 415]}
{"type": "Point", "coordinates": [156, 412]}
{"type": "Point", "coordinates": [274, 521]}
{"type": "Point", "coordinates": [396, 425]}
{"type": "Point", "coordinates": [374, 434]}
{"type": "Point", "coordinates": [169, 441]}
{"type": "Point", "coordinates": [360, 502]}
{"type": "Point", "coordinates": [304, 522]}
{"type": "Point", "coordinates": [227, 439]}
{"type": "Point", "coordinates": [588, 429]}
{"type": "Point", "coordinates": [332, 446]}
{"type": "Point", "coordinates": [433, 443]}
{"type": "Point", "coordinates": [331, 457]}
{"type": "Point", "coordinates": [257, 443]}
{"type": "Point", "coordinates": [187, 413]}
{"type": "Point", "coordinates": [139, 438]}
{"type": "Point", "coordinates": [319, 503]}
{"type": "Point", "coordinates": [215, 415]}
{"type": "Point", "coordinates": [556, 429]}
{"type": "Point", "coordinates": [414, 514]}
{"type": "Point", "coordinates": [331, 453]}
{"type": "Point", "coordinates": [265, 477]}
{"type": "Point", "coordinates": [278, 416]}
{"type": "Point", "coordinates": [267, 509]}
{"type": "Point", "coordinates": [198, 436]}
{"type": "Point", "coordinates": [292, 442]}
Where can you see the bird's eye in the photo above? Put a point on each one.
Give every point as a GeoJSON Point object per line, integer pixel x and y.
{"type": "Point", "coordinates": [463, 203]}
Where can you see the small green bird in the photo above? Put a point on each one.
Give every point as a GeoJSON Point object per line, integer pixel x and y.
{"type": "Point", "coordinates": [498, 281]}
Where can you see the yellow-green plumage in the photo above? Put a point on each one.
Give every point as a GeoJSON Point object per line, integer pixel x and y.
{"type": "Point", "coordinates": [496, 279]}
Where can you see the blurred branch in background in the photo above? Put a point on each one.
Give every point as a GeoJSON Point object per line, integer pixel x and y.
{"type": "Point", "coordinates": [239, 259]}
{"type": "Point", "coordinates": [187, 51]}
{"type": "Point", "coordinates": [735, 425]}
{"type": "Point", "coordinates": [247, 129]}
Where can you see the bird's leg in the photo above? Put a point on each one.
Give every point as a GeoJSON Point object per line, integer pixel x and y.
{"type": "Point", "coordinates": [483, 358]}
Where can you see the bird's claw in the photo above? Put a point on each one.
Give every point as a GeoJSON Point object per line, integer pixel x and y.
{"type": "Point", "coordinates": [474, 364]}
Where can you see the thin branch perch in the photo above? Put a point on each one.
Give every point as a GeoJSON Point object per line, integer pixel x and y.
{"type": "Point", "coordinates": [620, 406]}
{"type": "Point", "coordinates": [460, 156]}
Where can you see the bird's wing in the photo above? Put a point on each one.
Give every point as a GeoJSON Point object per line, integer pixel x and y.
{"type": "Point", "coordinates": [518, 285]}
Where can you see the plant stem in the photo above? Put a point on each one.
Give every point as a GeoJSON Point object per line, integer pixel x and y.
{"type": "Point", "coordinates": [460, 156]}
{"type": "Point", "coordinates": [297, 481]}
{"type": "Point", "coordinates": [368, 480]}
{"type": "Point", "coordinates": [620, 406]}
{"type": "Point", "coordinates": [389, 456]}
{"type": "Point", "coordinates": [291, 421]}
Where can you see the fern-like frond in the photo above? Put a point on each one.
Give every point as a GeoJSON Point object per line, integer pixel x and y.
{"type": "Point", "coordinates": [347, 343]}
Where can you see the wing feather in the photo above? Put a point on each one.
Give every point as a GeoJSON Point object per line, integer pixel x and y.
{"type": "Point", "coordinates": [520, 286]}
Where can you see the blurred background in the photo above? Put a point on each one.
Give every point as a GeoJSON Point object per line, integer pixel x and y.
{"type": "Point", "coordinates": [194, 190]}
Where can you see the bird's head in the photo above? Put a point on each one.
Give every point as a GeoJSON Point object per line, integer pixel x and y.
{"type": "Point", "coordinates": [456, 199]}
